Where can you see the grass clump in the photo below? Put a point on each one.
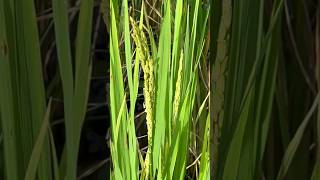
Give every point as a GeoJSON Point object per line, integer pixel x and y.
{"type": "Point", "coordinates": [170, 79]}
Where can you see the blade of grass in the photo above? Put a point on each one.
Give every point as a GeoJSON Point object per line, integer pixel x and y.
{"type": "Point", "coordinates": [293, 146]}
{"type": "Point", "coordinates": [316, 170]}
{"type": "Point", "coordinates": [54, 157]}
{"type": "Point", "coordinates": [119, 150]}
{"type": "Point", "coordinates": [205, 155]}
{"type": "Point", "coordinates": [38, 148]}
{"type": "Point", "coordinates": [6, 96]}
{"type": "Point", "coordinates": [234, 154]}
{"type": "Point", "coordinates": [161, 118]}
{"type": "Point", "coordinates": [64, 52]}
{"type": "Point", "coordinates": [75, 89]}
{"type": "Point", "coordinates": [65, 64]}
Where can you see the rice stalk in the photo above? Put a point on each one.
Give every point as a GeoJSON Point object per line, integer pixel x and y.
{"type": "Point", "coordinates": [177, 95]}
{"type": "Point", "coordinates": [149, 89]}
{"type": "Point", "coordinates": [219, 74]}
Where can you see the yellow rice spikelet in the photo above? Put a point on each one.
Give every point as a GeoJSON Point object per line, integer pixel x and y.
{"type": "Point", "coordinates": [177, 95]}
{"type": "Point", "coordinates": [149, 87]}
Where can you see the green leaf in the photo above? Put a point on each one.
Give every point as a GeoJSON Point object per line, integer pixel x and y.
{"type": "Point", "coordinates": [38, 148]}
{"type": "Point", "coordinates": [294, 144]}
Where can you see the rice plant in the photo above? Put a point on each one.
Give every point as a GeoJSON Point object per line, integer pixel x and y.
{"type": "Point", "coordinates": [250, 75]}
{"type": "Point", "coordinates": [23, 102]}
{"type": "Point", "coordinates": [170, 66]}
{"type": "Point", "coordinates": [28, 146]}
{"type": "Point", "coordinates": [242, 123]}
